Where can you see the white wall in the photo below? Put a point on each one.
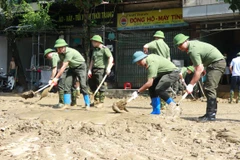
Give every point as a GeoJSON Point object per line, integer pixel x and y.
{"type": "Point", "coordinates": [3, 53]}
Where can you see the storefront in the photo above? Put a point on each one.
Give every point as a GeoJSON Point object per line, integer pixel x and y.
{"type": "Point", "coordinates": [215, 23]}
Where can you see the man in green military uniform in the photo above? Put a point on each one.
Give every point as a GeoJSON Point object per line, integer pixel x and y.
{"type": "Point", "coordinates": [52, 55]}
{"type": "Point", "coordinates": [157, 46]}
{"type": "Point", "coordinates": [161, 74]}
{"type": "Point", "coordinates": [101, 63]}
{"type": "Point", "coordinates": [185, 71]}
{"type": "Point", "coordinates": [178, 86]}
{"type": "Point", "coordinates": [77, 67]}
{"type": "Point", "coordinates": [204, 55]}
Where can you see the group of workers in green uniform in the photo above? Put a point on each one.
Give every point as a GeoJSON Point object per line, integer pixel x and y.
{"type": "Point", "coordinates": [162, 73]}
{"type": "Point", "coordinates": [155, 57]}
{"type": "Point", "coordinates": [68, 65]}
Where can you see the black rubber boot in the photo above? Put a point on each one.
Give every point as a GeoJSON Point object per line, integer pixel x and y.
{"type": "Point", "coordinates": [211, 111]}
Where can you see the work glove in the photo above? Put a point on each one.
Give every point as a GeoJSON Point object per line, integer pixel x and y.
{"type": "Point", "coordinates": [89, 74]}
{"type": "Point", "coordinates": [53, 82]}
{"type": "Point", "coordinates": [50, 82]}
{"type": "Point", "coordinates": [183, 80]}
{"type": "Point", "coordinates": [108, 71]}
{"type": "Point", "coordinates": [189, 88]}
{"type": "Point", "coordinates": [134, 95]}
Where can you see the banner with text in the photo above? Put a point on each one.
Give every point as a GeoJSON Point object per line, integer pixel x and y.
{"type": "Point", "coordinates": [150, 19]}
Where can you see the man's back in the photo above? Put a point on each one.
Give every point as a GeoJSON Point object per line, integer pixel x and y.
{"type": "Point", "coordinates": [235, 64]}
{"type": "Point", "coordinates": [159, 47]}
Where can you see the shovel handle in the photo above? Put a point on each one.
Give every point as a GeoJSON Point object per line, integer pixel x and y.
{"type": "Point", "coordinates": [100, 85]}
{"type": "Point", "coordinates": [190, 93]}
{"type": "Point", "coordinates": [184, 96]}
{"type": "Point", "coordinates": [42, 88]}
{"type": "Point", "coordinates": [101, 82]}
{"type": "Point", "coordinates": [130, 99]}
{"type": "Point", "coordinates": [50, 87]}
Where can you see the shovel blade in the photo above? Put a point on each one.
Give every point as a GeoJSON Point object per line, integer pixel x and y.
{"type": "Point", "coordinates": [28, 94]}
{"type": "Point", "coordinates": [44, 93]}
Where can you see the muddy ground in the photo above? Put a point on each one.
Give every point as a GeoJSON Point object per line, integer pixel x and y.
{"type": "Point", "coordinates": [34, 130]}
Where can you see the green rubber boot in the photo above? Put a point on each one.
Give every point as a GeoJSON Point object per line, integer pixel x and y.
{"type": "Point", "coordinates": [101, 99]}
{"type": "Point", "coordinates": [74, 98]}
{"type": "Point", "coordinates": [61, 100]}
{"type": "Point", "coordinates": [231, 96]}
{"type": "Point", "coordinates": [78, 93]}
{"type": "Point", "coordinates": [163, 104]}
{"type": "Point", "coordinates": [238, 98]}
{"type": "Point", "coordinates": [96, 99]}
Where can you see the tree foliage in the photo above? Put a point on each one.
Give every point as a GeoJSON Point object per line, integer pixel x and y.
{"type": "Point", "coordinates": [37, 20]}
{"type": "Point", "coordinates": [25, 15]}
{"type": "Point", "coordinates": [234, 4]}
{"type": "Point", "coordinates": [6, 15]}
{"type": "Point", "coordinates": [84, 6]}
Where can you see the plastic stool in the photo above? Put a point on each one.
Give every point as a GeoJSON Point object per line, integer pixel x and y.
{"type": "Point", "coordinates": [127, 85]}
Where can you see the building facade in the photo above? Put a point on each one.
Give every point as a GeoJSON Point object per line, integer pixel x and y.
{"type": "Point", "coordinates": [212, 21]}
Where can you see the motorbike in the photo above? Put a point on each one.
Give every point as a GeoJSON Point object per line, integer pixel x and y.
{"type": "Point", "coordinates": [7, 81]}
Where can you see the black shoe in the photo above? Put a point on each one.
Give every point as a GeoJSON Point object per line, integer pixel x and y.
{"type": "Point", "coordinates": [206, 118]}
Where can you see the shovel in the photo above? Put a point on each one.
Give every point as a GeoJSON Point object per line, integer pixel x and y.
{"type": "Point", "coordinates": [201, 88]}
{"type": "Point", "coordinates": [121, 105]}
{"type": "Point", "coordinates": [183, 97]}
{"type": "Point", "coordinates": [45, 92]}
{"type": "Point", "coordinates": [190, 93]}
{"type": "Point", "coordinates": [99, 86]}
{"type": "Point", "coordinates": [30, 94]}
{"type": "Point", "coordinates": [92, 97]}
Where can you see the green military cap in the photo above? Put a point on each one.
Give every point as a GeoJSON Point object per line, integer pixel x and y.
{"type": "Point", "coordinates": [137, 56]}
{"type": "Point", "coordinates": [60, 43]}
{"type": "Point", "coordinates": [191, 68]}
{"type": "Point", "coordinates": [179, 39]}
{"type": "Point", "coordinates": [159, 34]}
{"type": "Point", "coordinates": [49, 50]}
{"type": "Point", "coordinates": [97, 38]}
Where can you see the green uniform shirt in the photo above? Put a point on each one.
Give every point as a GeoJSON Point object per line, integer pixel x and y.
{"type": "Point", "coordinates": [73, 57]}
{"type": "Point", "coordinates": [100, 57]}
{"type": "Point", "coordinates": [203, 53]}
{"type": "Point", "coordinates": [159, 47]}
{"type": "Point", "coordinates": [55, 60]}
{"type": "Point", "coordinates": [184, 72]}
{"type": "Point", "coordinates": [157, 65]}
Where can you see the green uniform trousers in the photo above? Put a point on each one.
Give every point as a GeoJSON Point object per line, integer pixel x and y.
{"type": "Point", "coordinates": [95, 80]}
{"type": "Point", "coordinates": [61, 82]}
{"type": "Point", "coordinates": [214, 73]}
{"type": "Point", "coordinates": [162, 83]}
{"type": "Point", "coordinates": [72, 73]}
{"type": "Point", "coordinates": [61, 85]}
